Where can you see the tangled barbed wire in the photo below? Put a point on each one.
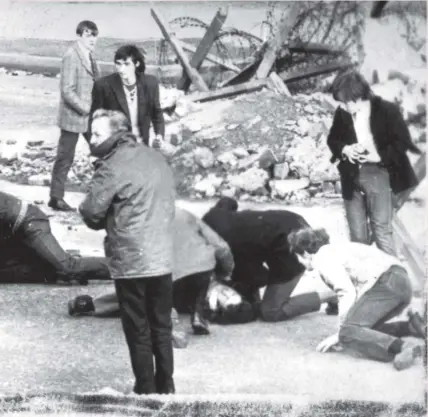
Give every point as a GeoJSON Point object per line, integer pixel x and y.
{"type": "Point", "coordinates": [337, 25]}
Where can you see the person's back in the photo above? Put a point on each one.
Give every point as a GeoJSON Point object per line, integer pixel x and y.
{"type": "Point", "coordinates": [12, 210]}
{"type": "Point", "coordinates": [140, 229]}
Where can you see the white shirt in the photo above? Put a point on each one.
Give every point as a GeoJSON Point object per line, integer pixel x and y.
{"type": "Point", "coordinates": [132, 100]}
{"type": "Point", "coordinates": [351, 269]}
{"type": "Point", "coordinates": [361, 117]}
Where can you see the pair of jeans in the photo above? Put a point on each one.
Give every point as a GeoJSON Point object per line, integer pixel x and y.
{"type": "Point", "coordinates": [370, 209]}
{"type": "Point", "coordinates": [145, 308]}
{"type": "Point", "coordinates": [63, 162]}
{"type": "Point", "coordinates": [35, 233]}
{"type": "Point", "coordinates": [365, 328]}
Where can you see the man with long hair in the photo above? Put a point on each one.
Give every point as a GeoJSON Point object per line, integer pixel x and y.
{"type": "Point", "coordinates": [369, 138]}
{"type": "Point", "coordinates": [132, 92]}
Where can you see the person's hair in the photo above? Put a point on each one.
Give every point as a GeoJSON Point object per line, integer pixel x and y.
{"type": "Point", "coordinates": [307, 240]}
{"type": "Point", "coordinates": [350, 85]}
{"type": "Point", "coordinates": [87, 25]}
{"type": "Point", "coordinates": [118, 121]}
{"type": "Point", "coordinates": [131, 51]}
{"type": "Point", "coordinates": [227, 203]}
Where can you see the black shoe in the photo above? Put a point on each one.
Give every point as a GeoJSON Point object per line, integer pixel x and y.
{"type": "Point", "coordinates": [332, 309]}
{"type": "Point", "coordinates": [60, 205]}
{"type": "Point", "coordinates": [200, 326]}
{"type": "Point", "coordinates": [81, 305]}
{"type": "Point", "coordinates": [417, 325]}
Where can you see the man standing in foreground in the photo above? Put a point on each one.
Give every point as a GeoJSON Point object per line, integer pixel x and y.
{"type": "Point", "coordinates": [78, 72]}
{"type": "Point", "coordinates": [137, 210]}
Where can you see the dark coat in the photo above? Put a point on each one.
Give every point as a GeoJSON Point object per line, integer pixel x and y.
{"type": "Point", "coordinates": [108, 94]}
{"type": "Point", "coordinates": [392, 140]}
{"type": "Point", "coordinates": [131, 195]}
{"type": "Point", "coordinates": [256, 237]}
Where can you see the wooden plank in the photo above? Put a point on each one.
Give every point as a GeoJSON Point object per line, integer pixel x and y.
{"type": "Point", "coordinates": [278, 85]}
{"type": "Point", "coordinates": [244, 75]}
{"type": "Point", "coordinates": [313, 48]}
{"type": "Point", "coordinates": [313, 71]}
{"type": "Point", "coordinates": [413, 254]}
{"type": "Point", "coordinates": [420, 172]}
{"type": "Point", "coordinates": [274, 45]}
{"type": "Point", "coordinates": [204, 45]}
{"type": "Point", "coordinates": [224, 63]}
{"type": "Point", "coordinates": [175, 43]}
{"type": "Point", "coordinates": [225, 92]}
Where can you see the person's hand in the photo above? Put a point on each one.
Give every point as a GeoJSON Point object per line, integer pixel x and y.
{"type": "Point", "coordinates": [352, 152]}
{"type": "Point", "coordinates": [328, 343]}
{"type": "Point", "coordinates": [157, 142]}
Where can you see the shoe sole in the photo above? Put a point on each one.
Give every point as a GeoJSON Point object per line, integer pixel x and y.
{"type": "Point", "coordinates": [401, 362]}
{"type": "Point", "coordinates": [200, 331]}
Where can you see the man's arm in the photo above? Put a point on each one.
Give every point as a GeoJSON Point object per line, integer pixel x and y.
{"type": "Point", "coordinates": [157, 114]}
{"type": "Point", "coordinates": [224, 258]}
{"type": "Point", "coordinates": [68, 82]}
{"type": "Point", "coordinates": [102, 190]}
{"type": "Point", "coordinates": [97, 103]}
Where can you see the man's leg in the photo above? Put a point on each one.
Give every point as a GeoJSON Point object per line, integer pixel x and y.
{"type": "Point", "coordinates": [35, 233]}
{"type": "Point", "coordinates": [375, 181]}
{"type": "Point", "coordinates": [64, 159]}
{"type": "Point", "coordinates": [356, 216]}
{"type": "Point", "coordinates": [133, 296]}
{"type": "Point", "coordinates": [159, 308]}
{"type": "Point", "coordinates": [363, 325]}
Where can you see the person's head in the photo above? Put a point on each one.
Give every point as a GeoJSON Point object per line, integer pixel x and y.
{"type": "Point", "coordinates": [306, 242]}
{"type": "Point", "coordinates": [350, 86]}
{"type": "Point", "coordinates": [227, 203]}
{"type": "Point", "coordinates": [105, 124]}
{"type": "Point", "coordinates": [129, 61]}
{"type": "Point", "coordinates": [87, 33]}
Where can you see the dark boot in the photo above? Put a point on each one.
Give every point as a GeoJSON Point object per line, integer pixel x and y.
{"type": "Point", "coordinates": [81, 305]}
{"type": "Point", "coordinates": [417, 325]}
{"type": "Point", "coordinates": [60, 205]}
{"type": "Point", "coordinates": [165, 387]}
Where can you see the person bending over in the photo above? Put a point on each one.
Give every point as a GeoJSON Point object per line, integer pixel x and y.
{"type": "Point", "coordinates": [372, 288]}
{"type": "Point", "coordinates": [30, 253]}
{"type": "Point", "coordinates": [261, 237]}
{"type": "Point", "coordinates": [199, 255]}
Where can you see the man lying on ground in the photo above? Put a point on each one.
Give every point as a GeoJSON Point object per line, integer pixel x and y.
{"type": "Point", "coordinates": [30, 253]}
{"type": "Point", "coordinates": [199, 254]}
{"type": "Point", "coordinates": [372, 287]}
{"type": "Point", "coordinates": [261, 237]}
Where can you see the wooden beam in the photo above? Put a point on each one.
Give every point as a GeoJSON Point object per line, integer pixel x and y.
{"type": "Point", "coordinates": [224, 92]}
{"type": "Point", "coordinates": [196, 78]}
{"type": "Point", "coordinates": [313, 71]}
{"type": "Point", "coordinates": [244, 75]}
{"type": "Point", "coordinates": [204, 46]}
{"type": "Point", "coordinates": [420, 172]}
{"type": "Point", "coordinates": [274, 45]}
{"type": "Point", "coordinates": [313, 48]}
{"type": "Point", "coordinates": [278, 85]}
{"type": "Point", "coordinates": [224, 63]}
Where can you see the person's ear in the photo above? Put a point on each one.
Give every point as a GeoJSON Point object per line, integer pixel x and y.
{"type": "Point", "coordinates": [137, 64]}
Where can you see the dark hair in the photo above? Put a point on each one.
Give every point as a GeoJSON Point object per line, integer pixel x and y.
{"type": "Point", "coordinates": [131, 51]}
{"type": "Point", "coordinates": [307, 240]}
{"type": "Point", "coordinates": [118, 121]}
{"type": "Point", "coordinates": [88, 25]}
{"type": "Point", "coordinates": [350, 85]}
{"type": "Point", "coordinates": [227, 203]}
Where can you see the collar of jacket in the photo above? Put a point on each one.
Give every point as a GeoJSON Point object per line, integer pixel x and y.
{"type": "Point", "coordinates": [110, 145]}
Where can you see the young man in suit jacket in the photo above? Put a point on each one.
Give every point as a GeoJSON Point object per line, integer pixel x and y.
{"type": "Point", "coordinates": [78, 71]}
{"type": "Point", "coordinates": [369, 138]}
{"type": "Point", "coordinates": [133, 93]}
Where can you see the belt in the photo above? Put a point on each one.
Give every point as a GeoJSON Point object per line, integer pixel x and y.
{"type": "Point", "coordinates": [21, 216]}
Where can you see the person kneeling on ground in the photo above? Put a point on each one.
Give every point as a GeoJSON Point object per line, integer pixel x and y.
{"type": "Point", "coordinates": [257, 238]}
{"type": "Point", "coordinates": [199, 254]}
{"type": "Point", "coordinates": [31, 254]}
{"type": "Point", "coordinates": [372, 288]}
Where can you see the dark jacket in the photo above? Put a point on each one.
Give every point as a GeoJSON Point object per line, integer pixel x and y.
{"type": "Point", "coordinates": [108, 94]}
{"type": "Point", "coordinates": [12, 213]}
{"type": "Point", "coordinates": [392, 140]}
{"type": "Point", "coordinates": [131, 195]}
{"type": "Point", "coordinates": [256, 237]}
